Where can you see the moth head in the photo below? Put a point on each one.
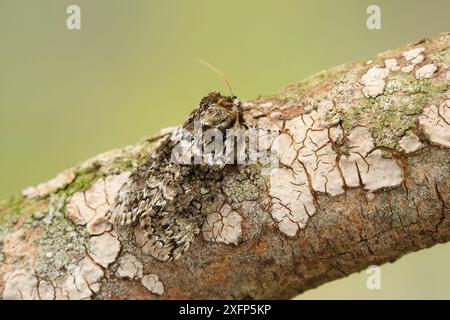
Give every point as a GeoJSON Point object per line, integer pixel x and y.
{"type": "Point", "coordinates": [220, 112]}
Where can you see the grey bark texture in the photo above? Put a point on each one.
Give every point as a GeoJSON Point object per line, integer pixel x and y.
{"type": "Point", "coordinates": [362, 179]}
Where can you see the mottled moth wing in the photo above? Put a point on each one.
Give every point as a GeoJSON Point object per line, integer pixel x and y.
{"type": "Point", "coordinates": [167, 198]}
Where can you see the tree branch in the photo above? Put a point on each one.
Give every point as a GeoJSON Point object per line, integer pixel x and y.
{"type": "Point", "coordinates": [363, 178]}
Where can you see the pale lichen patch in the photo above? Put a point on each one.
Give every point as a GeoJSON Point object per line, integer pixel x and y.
{"type": "Point", "coordinates": [409, 143]}
{"type": "Point", "coordinates": [223, 226]}
{"type": "Point", "coordinates": [20, 285]}
{"type": "Point", "coordinates": [365, 165]}
{"type": "Point", "coordinates": [435, 123]}
{"type": "Point", "coordinates": [426, 71]}
{"type": "Point", "coordinates": [319, 159]}
{"type": "Point", "coordinates": [360, 141]}
{"type": "Point", "coordinates": [381, 172]}
{"type": "Point", "coordinates": [152, 283]}
{"type": "Point", "coordinates": [77, 210]}
{"type": "Point", "coordinates": [313, 137]}
{"type": "Point", "coordinates": [46, 290]}
{"type": "Point", "coordinates": [113, 184]}
{"type": "Point", "coordinates": [285, 149]}
{"type": "Point", "coordinates": [418, 59]}
{"type": "Point", "coordinates": [104, 249]}
{"type": "Point", "coordinates": [408, 68]}
{"type": "Point", "coordinates": [89, 207]}
{"type": "Point", "coordinates": [65, 263]}
{"type": "Point", "coordinates": [292, 201]}
{"type": "Point", "coordinates": [130, 267]}
{"type": "Point", "coordinates": [82, 282]}
{"type": "Point", "coordinates": [412, 53]}
{"type": "Point", "coordinates": [373, 81]}
{"type": "Point", "coordinates": [391, 64]}
{"type": "Point", "coordinates": [310, 164]}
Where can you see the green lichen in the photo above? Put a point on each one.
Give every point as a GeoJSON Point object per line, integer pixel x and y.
{"type": "Point", "coordinates": [123, 165]}
{"type": "Point", "coordinates": [440, 56]}
{"type": "Point", "coordinates": [351, 117]}
{"type": "Point", "coordinates": [128, 163]}
{"type": "Point", "coordinates": [126, 159]}
{"type": "Point", "coordinates": [9, 214]}
{"type": "Point", "coordinates": [396, 111]}
{"type": "Point", "coordinates": [18, 208]}
{"type": "Point", "coordinates": [84, 179]}
{"type": "Point", "coordinates": [63, 244]}
{"type": "Point", "coordinates": [10, 209]}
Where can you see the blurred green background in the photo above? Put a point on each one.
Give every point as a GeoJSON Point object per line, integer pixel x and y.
{"type": "Point", "coordinates": [131, 70]}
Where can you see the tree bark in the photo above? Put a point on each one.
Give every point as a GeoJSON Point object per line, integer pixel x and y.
{"type": "Point", "coordinates": [362, 179]}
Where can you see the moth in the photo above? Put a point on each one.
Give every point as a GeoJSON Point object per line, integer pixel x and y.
{"type": "Point", "coordinates": [168, 199]}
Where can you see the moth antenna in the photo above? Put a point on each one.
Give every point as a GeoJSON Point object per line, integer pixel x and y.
{"type": "Point", "coordinates": [216, 71]}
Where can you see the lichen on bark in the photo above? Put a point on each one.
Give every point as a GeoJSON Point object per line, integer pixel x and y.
{"type": "Point", "coordinates": [363, 178]}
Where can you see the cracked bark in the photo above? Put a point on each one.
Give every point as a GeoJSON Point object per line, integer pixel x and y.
{"type": "Point", "coordinates": [56, 244]}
